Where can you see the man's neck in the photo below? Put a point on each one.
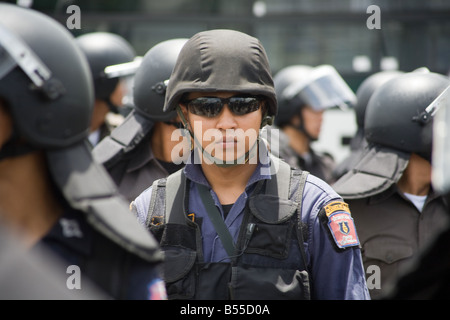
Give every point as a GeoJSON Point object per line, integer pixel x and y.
{"type": "Point", "coordinates": [228, 182]}
{"type": "Point", "coordinates": [162, 144]}
{"type": "Point", "coordinates": [98, 114]}
{"type": "Point", "coordinates": [416, 178]}
{"type": "Point", "coordinates": [298, 141]}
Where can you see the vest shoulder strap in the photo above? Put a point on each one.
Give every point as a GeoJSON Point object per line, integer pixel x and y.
{"type": "Point", "coordinates": [167, 197]}
{"type": "Point", "coordinates": [280, 183]}
{"type": "Point", "coordinates": [172, 190]}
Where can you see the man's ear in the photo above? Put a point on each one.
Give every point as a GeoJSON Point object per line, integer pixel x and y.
{"type": "Point", "coordinates": [267, 121]}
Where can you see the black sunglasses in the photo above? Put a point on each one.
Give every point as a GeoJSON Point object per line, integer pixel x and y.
{"type": "Point", "coordinates": [211, 107]}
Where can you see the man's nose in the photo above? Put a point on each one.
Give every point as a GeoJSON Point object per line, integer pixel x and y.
{"type": "Point", "coordinates": [226, 119]}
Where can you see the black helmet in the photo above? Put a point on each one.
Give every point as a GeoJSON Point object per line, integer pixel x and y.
{"type": "Point", "coordinates": [396, 115]}
{"type": "Point", "coordinates": [103, 50]}
{"type": "Point", "coordinates": [283, 79]}
{"type": "Point", "coordinates": [222, 60]}
{"type": "Point", "coordinates": [149, 93]}
{"type": "Point", "coordinates": [367, 88]}
{"type": "Point", "coordinates": [152, 77]}
{"type": "Point", "coordinates": [321, 88]}
{"type": "Point", "coordinates": [50, 98]}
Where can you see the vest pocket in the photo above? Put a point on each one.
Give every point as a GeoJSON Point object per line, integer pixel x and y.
{"type": "Point", "coordinates": [178, 264]}
{"type": "Point", "coordinates": [251, 283]}
{"type": "Point", "coordinates": [274, 225]}
{"type": "Point", "coordinates": [388, 250]}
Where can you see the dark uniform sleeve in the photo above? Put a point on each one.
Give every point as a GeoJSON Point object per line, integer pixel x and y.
{"type": "Point", "coordinates": [332, 245]}
{"type": "Point", "coordinates": [338, 271]}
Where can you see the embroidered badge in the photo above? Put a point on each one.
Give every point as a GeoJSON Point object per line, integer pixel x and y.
{"type": "Point", "coordinates": [336, 206]}
{"type": "Point", "coordinates": [341, 224]}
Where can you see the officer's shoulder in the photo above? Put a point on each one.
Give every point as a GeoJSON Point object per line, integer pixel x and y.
{"type": "Point", "coordinates": [315, 182]}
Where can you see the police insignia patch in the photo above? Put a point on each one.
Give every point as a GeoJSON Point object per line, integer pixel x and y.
{"type": "Point", "coordinates": [341, 224]}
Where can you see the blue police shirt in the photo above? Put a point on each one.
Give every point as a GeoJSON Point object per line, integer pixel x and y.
{"type": "Point", "coordinates": [335, 273]}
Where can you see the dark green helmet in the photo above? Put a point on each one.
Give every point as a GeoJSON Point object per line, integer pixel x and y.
{"type": "Point", "coordinates": [222, 60]}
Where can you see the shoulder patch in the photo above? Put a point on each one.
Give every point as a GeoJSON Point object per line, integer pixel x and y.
{"type": "Point", "coordinates": [336, 206]}
{"type": "Point", "coordinates": [341, 225]}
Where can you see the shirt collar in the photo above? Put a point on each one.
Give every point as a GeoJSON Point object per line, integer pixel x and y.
{"type": "Point", "coordinates": [395, 189]}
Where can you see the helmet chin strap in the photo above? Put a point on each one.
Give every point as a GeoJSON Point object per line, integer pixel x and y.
{"type": "Point", "coordinates": [300, 127]}
{"type": "Point", "coordinates": [14, 147]}
{"type": "Point", "coordinates": [112, 107]}
{"type": "Point", "coordinates": [218, 162]}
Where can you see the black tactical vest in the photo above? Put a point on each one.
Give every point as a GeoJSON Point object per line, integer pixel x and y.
{"type": "Point", "coordinates": [270, 260]}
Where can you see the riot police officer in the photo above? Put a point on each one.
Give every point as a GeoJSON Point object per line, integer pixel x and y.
{"type": "Point", "coordinates": [397, 210]}
{"type": "Point", "coordinates": [112, 63]}
{"type": "Point", "coordinates": [304, 93]}
{"type": "Point", "coordinates": [53, 194]}
{"type": "Point", "coordinates": [358, 143]}
{"type": "Point", "coordinates": [139, 151]}
{"type": "Point", "coordinates": [427, 276]}
{"type": "Point", "coordinates": [236, 222]}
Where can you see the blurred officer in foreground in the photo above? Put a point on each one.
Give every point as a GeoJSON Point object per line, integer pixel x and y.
{"type": "Point", "coordinates": [428, 276]}
{"type": "Point", "coordinates": [112, 63]}
{"type": "Point", "coordinates": [389, 190]}
{"type": "Point", "coordinates": [304, 93]}
{"type": "Point", "coordinates": [52, 192]}
{"type": "Point", "coordinates": [230, 222]}
{"type": "Point", "coordinates": [35, 275]}
{"type": "Point", "coordinates": [358, 144]}
{"type": "Point", "coordinates": [139, 151]}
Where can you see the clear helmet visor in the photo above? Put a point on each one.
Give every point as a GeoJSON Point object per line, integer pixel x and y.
{"type": "Point", "coordinates": [440, 176]}
{"type": "Point", "coordinates": [323, 88]}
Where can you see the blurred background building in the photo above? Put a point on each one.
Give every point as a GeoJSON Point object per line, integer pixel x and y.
{"type": "Point", "coordinates": [411, 34]}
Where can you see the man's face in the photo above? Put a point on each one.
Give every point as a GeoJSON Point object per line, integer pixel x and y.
{"type": "Point", "coordinates": [226, 136]}
{"type": "Point", "coordinates": [119, 93]}
{"type": "Point", "coordinates": [312, 121]}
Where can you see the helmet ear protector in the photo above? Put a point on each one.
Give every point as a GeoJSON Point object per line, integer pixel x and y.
{"type": "Point", "coordinates": [15, 52]}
